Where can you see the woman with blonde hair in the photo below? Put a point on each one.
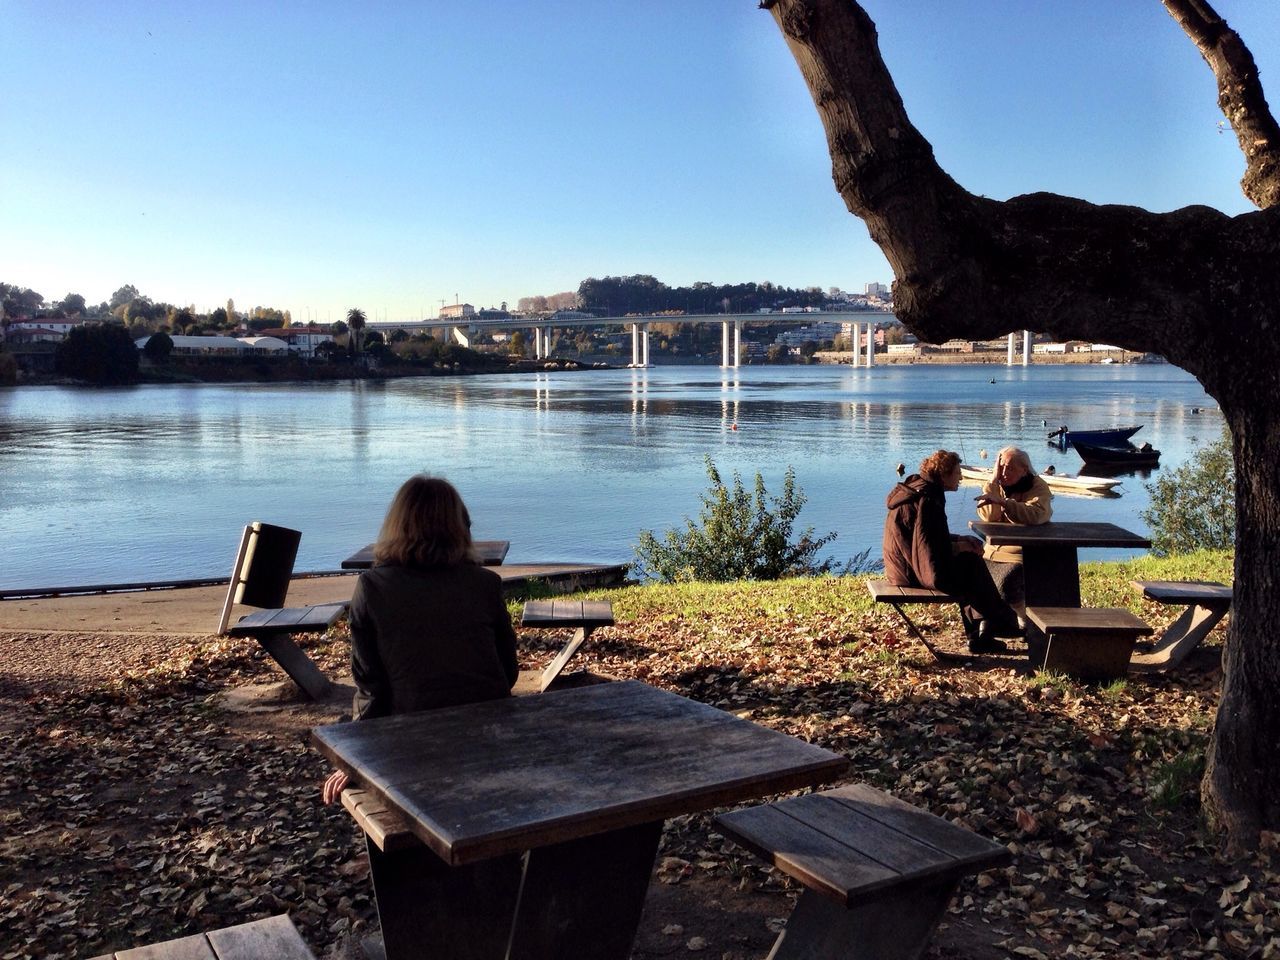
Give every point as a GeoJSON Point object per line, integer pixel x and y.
{"type": "Point", "coordinates": [429, 626]}
{"type": "Point", "coordinates": [921, 551]}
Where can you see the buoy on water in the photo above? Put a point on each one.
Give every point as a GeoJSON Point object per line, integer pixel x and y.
{"type": "Point", "coordinates": [902, 469]}
{"type": "Point", "coordinates": [733, 426]}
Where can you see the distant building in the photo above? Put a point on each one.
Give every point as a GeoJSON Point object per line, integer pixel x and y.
{"type": "Point", "coordinates": [876, 290]}
{"type": "Point", "coordinates": [43, 327]}
{"type": "Point", "coordinates": [302, 340]}
{"type": "Point", "coordinates": [457, 311]}
{"type": "Point", "coordinates": [221, 345]}
{"type": "Point", "coordinates": [33, 333]}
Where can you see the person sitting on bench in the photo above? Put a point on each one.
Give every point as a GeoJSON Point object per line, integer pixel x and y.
{"type": "Point", "coordinates": [429, 626]}
{"type": "Point", "coordinates": [920, 551]}
{"type": "Point", "coordinates": [1014, 494]}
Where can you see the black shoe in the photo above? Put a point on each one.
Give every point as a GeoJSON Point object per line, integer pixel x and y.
{"type": "Point", "coordinates": [987, 643]}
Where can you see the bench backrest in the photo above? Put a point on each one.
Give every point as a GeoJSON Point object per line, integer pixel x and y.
{"type": "Point", "coordinates": [262, 570]}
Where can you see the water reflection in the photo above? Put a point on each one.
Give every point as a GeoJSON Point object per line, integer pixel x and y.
{"type": "Point", "coordinates": [568, 465]}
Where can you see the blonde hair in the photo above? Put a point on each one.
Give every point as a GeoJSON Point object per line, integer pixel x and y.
{"type": "Point", "coordinates": [939, 464]}
{"type": "Point", "coordinates": [427, 525]}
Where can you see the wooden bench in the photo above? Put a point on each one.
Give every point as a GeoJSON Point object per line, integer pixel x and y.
{"type": "Point", "coordinates": [882, 591]}
{"type": "Point", "coordinates": [584, 615]}
{"type": "Point", "coordinates": [1207, 603]}
{"type": "Point", "coordinates": [275, 938]}
{"type": "Point", "coordinates": [385, 828]}
{"type": "Point", "coordinates": [260, 578]}
{"type": "Point", "coordinates": [1087, 643]}
{"type": "Point", "coordinates": [879, 872]}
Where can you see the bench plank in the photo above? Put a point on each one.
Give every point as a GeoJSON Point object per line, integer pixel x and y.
{"type": "Point", "coordinates": [854, 842]}
{"type": "Point", "coordinates": [1089, 644]}
{"type": "Point", "coordinates": [1204, 593]}
{"type": "Point", "coordinates": [185, 948]}
{"type": "Point", "coordinates": [387, 829]}
{"type": "Point", "coordinates": [585, 615]}
{"type": "Point", "coordinates": [319, 616]}
{"type": "Point", "coordinates": [275, 937]}
{"type": "Point", "coordinates": [882, 591]}
{"type": "Point", "coordinates": [1087, 621]}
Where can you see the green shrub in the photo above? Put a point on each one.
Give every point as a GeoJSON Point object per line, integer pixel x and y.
{"type": "Point", "coordinates": [98, 353]}
{"type": "Point", "coordinates": [1194, 507]}
{"type": "Point", "coordinates": [738, 536]}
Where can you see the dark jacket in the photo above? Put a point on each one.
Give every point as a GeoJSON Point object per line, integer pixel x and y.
{"type": "Point", "coordinates": [917, 541]}
{"type": "Point", "coordinates": [427, 638]}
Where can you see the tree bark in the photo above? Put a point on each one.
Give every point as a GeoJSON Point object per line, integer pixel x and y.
{"type": "Point", "coordinates": [1196, 286]}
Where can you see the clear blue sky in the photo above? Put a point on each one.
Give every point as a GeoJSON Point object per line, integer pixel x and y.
{"type": "Point", "coordinates": [318, 156]}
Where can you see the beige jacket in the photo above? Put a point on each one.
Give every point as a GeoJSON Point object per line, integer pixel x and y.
{"type": "Point", "coordinates": [1035, 506]}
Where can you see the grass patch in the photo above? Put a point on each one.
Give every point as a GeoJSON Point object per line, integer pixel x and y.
{"type": "Point", "coordinates": [1176, 783]}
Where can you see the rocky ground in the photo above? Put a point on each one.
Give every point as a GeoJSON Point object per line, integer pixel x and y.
{"type": "Point", "coordinates": [153, 786]}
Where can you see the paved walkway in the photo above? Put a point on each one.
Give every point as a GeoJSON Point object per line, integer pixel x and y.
{"type": "Point", "coordinates": [195, 610]}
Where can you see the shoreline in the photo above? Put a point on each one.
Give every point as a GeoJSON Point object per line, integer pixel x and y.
{"type": "Point", "coordinates": [224, 375]}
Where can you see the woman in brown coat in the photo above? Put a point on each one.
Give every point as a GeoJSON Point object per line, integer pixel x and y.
{"type": "Point", "coordinates": [920, 551]}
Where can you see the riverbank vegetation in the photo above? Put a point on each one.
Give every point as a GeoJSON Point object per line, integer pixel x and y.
{"type": "Point", "coordinates": [146, 801]}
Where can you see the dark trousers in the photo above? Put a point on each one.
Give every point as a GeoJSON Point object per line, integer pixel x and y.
{"type": "Point", "coordinates": [969, 579]}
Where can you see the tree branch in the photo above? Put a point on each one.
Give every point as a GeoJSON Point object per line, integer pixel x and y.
{"type": "Point", "coordinates": [1172, 283]}
{"type": "Point", "coordinates": [1240, 96]}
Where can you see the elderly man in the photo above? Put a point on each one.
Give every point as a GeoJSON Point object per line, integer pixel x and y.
{"type": "Point", "coordinates": [1013, 495]}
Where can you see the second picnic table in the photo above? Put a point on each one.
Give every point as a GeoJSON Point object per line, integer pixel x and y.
{"type": "Point", "coordinates": [1049, 560]}
{"type": "Point", "coordinates": [539, 817]}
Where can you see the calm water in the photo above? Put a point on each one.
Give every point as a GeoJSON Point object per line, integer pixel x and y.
{"type": "Point", "coordinates": [155, 482]}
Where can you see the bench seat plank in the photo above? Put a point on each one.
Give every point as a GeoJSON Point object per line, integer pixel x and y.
{"type": "Point", "coordinates": [319, 616]}
{"type": "Point", "coordinates": [855, 842]}
{"type": "Point", "coordinates": [1088, 621]}
{"type": "Point", "coordinates": [1204, 593]}
{"type": "Point", "coordinates": [275, 937]}
{"type": "Point", "coordinates": [882, 591]}
{"type": "Point", "coordinates": [387, 829]}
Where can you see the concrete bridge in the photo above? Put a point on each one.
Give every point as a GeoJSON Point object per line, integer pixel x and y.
{"type": "Point", "coordinates": [862, 341]}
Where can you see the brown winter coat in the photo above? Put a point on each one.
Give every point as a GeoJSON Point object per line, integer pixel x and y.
{"type": "Point", "coordinates": [917, 541]}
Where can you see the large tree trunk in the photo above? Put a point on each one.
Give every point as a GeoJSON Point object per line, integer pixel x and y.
{"type": "Point", "coordinates": [1197, 286]}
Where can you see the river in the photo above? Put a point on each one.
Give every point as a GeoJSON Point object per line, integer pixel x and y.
{"type": "Point", "coordinates": [155, 482]}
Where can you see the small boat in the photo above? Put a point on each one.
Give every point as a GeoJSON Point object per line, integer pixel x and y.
{"type": "Point", "coordinates": [1058, 482]}
{"type": "Point", "coordinates": [1126, 456]}
{"type": "Point", "coordinates": [1102, 438]}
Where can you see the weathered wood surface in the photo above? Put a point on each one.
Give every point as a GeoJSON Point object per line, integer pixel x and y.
{"type": "Point", "coordinates": [882, 591]}
{"type": "Point", "coordinates": [490, 553]}
{"type": "Point", "coordinates": [509, 775]}
{"type": "Point", "coordinates": [1205, 593]}
{"type": "Point", "coordinates": [288, 620]}
{"type": "Point", "coordinates": [385, 828]}
{"type": "Point", "coordinates": [274, 938]}
{"type": "Point", "coordinates": [567, 613]}
{"type": "Point", "coordinates": [1058, 534]}
{"type": "Point", "coordinates": [1087, 620]}
{"type": "Point", "coordinates": [854, 842]}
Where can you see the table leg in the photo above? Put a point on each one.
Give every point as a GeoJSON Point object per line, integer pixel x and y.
{"type": "Point", "coordinates": [562, 658]}
{"type": "Point", "coordinates": [582, 899]}
{"type": "Point", "coordinates": [430, 909]}
{"type": "Point", "coordinates": [895, 927]}
{"type": "Point", "coordinates": [1051, 575]}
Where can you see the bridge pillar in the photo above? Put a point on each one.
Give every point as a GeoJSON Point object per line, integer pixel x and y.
{"type": "Point", "coordinates": [1026, 347]}
{"type": "Point", "coordinates": [737, 343]}
{"type": "Point", "coordinates": [724, 343]}
{"type": "Point", "coordinates": [461, 336]}
{"type": "Point", "coordinates": [871, 344]}
{"type": "Point", "coordinates": [635, 344]}
{"type": "Point", "coordinates": [644, 344]}
{"type": "Point", "coordinates": [546, 341]}
{"type": "Point", "coordinates": [1008, 360]}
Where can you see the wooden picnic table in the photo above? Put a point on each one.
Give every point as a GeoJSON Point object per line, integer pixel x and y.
{"type": "Point", "coordinates": [491, 553]}
{"type": "Point", "coordinates": [1050, 565]}
{"type": "Point", "coordinates": [581, 779]}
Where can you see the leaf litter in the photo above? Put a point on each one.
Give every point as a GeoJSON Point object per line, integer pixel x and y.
{"type": "Point", "coordinates": [137, 807]}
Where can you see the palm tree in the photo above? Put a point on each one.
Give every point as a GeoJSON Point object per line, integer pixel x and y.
{"type": "Point", "coordinates": [355, 321]}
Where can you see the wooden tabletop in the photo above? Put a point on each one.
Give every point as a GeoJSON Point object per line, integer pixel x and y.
{"type": "Point", "coordinates": [509, 775]}
{"type": "Point", "coordinates": [1057, 534]}
{"type": "Point", "coordinates": [491, 553]}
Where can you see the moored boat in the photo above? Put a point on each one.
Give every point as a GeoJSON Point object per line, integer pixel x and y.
{"type": "Point", "coordinates": [1127, 456]}
{"type": "Point", "coordinates": [1058, 482]}
{"type": "Point", "coordinates": [1115, 437]}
